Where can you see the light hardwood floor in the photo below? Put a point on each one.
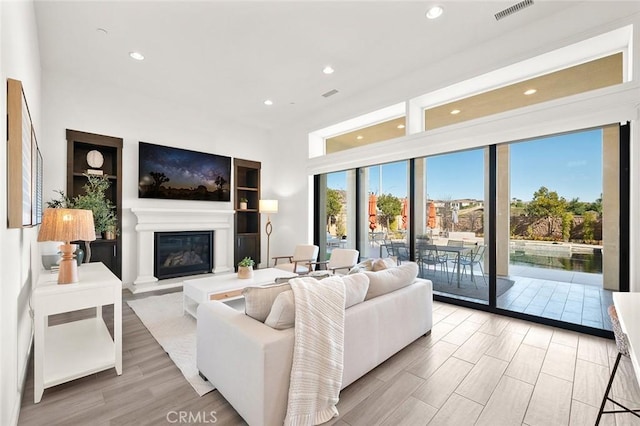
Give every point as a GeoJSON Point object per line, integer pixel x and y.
{"type": "Point", "coordinates": [474, 368]}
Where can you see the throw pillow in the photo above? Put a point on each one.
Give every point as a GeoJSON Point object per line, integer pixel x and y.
{"type": "Point", "coordinates": [283, 313]}
{"type": "Point", "coordinates": [388, 280]}
{"type": "Point", "coordinates": [383, 263]}
{"type": "Point", "coordinates": [365, 265]}
{"type": "Point", "coordinates": [258, 300]}
{"type": "Point", "coordinates": [355, 288]}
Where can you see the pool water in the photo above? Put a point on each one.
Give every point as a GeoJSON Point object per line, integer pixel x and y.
{"type": "Point", "coordinates": [578, 262]}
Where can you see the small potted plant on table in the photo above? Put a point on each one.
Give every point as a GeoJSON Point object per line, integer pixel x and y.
{"type": "Point", "coordinates": [245, 268]}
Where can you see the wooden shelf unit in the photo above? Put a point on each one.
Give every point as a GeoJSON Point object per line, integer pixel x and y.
{"type": "Point", "coordinates": [78, 146]}
{"type": "Point", "coordinates": [247, 221]}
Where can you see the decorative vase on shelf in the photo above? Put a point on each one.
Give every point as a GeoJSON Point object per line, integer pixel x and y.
{"type": "Point", "coordinates": [245, 272]}
{"type": "Point", "coordinates": [243, 205]}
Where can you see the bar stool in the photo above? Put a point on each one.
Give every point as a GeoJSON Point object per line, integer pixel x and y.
{"type": "Point", "coordinates": [623, 349]}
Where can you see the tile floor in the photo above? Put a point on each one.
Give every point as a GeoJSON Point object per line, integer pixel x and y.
{"type": "Point", "coordinates": [572, 297]}
{"type": "Point", "coordinates": [477, 368]}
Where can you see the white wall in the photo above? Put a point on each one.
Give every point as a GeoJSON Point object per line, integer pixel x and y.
{"type": "Point", "coordinates": [79, 104]}
{"type": "Point", "coordinates": [19, 59]}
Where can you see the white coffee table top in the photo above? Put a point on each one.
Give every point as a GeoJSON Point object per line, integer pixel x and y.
{"type": "Point", "coordinates": [232, 282]}
{"type": "Point", "coordinates": [225, 287]}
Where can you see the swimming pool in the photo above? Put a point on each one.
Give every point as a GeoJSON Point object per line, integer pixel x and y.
{"type": "Point", "coordinates": [578, 262]}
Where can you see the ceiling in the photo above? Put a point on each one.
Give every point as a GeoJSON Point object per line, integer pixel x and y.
{"type": "Point", "coordinates": [226, 58]}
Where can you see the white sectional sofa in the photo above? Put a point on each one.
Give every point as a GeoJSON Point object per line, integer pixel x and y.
{"type": "Point", "coordinates": [250, 362]}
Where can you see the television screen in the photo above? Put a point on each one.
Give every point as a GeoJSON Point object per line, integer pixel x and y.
{"type": "Point", "coordinates": [180, 174]}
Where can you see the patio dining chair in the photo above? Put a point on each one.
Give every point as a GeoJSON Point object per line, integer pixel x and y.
{"type": "Point", "coordinates": [454, 243]}
{"type": "Point", "coordinates": [429, 256]}
{"type": "Point", "coordinates": [398, 249]}
{"type": "Point", "coordinates": [474, 258]}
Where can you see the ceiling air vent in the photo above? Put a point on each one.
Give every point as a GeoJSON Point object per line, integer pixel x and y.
{"type": "Point", "coordinates": [330, 93]}
{"type": "Point", "coordinates": [513, 9]}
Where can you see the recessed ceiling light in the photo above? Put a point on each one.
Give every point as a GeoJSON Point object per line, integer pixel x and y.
{"type": "Point", "coordinates": [400, 126]}
{"type": "Point", "coordinates": [328, 70]}
{"type": "Point", "coordinates": [136, 55]}
{"type": "Point", "coordinates": [455, 111]}
{"type": "Point", "coordinates": [530, 92]}
{"type": "Point", "coordinates": [268, 102]}
{"type": "Point", "coordinates": [434, 12]}
{"type": "Point", "coordinates": [359, 137]}
{"type": "Point", "coordinates": [102, 31]}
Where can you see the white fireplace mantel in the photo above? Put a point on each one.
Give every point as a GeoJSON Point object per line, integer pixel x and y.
{"type": "Point", "coordinates": [152, 220]}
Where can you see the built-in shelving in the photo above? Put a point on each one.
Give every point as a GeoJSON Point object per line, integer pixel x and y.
{"type": "Point", "coordinates": [247, 221]}
{"type": "Point", "coordinates": [79, 144]}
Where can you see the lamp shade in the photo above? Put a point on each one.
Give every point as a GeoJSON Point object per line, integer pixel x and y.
{"type": "Point", "coordinates": [268, 206]}
{"type": "Point", "coordinates": [67, 225]}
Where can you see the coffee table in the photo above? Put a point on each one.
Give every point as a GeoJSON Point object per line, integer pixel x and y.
{"type": "Point", "coordinates": [225, 287]}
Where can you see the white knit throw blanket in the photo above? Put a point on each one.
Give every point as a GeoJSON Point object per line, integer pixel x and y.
{"type": "Point", "coordinates": [316, 373]}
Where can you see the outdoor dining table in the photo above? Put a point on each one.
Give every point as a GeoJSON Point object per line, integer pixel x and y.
{"type": "Point", "coordinates": [450, 249]}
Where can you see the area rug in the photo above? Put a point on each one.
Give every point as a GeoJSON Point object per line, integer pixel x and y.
{"type": "Point", "coordinates": [468, 289]}
{"type": "Point", "coordinates": [176, 333]}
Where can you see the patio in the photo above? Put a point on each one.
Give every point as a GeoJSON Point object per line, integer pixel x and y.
{"type": "Point", "coordinates": [573, 297]}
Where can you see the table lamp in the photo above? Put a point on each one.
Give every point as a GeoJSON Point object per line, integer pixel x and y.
{"type": "Point", "coordinates": [67, 225]}
{"type": "Point", "coordinates": [268, 206]}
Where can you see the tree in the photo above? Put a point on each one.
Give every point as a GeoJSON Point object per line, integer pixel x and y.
{"type": "Point", "coordinates": [577, 207]}
{"type": "Point", "coordinates": [567, 224]}
{"type": "Point", "coordinates": [516, 202]}
{"type": "Point", "coordinates": [547, 204]}
{"type": "Point", "coordinates": [389, 207]}
{"type": "Point", "coordinates": [596, 206]}
{"type": "Point", "coordinates": [158, 180]}
{"type": "Point", "coordinates": [588, 226]}
{"type": "Point", "coordinates": [334, 205]}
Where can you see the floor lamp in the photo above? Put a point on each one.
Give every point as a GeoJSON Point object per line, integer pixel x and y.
{"type": "Point", "coordinates": [268, 207]}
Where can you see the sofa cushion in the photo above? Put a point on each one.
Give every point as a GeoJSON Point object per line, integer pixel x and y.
{"type": "Point", "coordinates": [355, 288]}
{"type": "Point", "coordinates": [388, 280]}
{"type": "Point", "coordinates": [258, 300]}
{"type": "Point", "coordinates": [283, 314]}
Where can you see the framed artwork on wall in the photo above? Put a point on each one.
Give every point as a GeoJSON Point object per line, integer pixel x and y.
{"type": "Point", "coordinates": [179, 174]}
{"type": "Point", "coordinates": [20, 155]}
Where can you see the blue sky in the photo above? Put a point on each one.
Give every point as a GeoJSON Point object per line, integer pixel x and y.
{"type": "Point", "coordinates": [569, 164]}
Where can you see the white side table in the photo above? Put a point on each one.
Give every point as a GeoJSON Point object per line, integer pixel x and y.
{"type": "Point", "coordinates": [76, 349]}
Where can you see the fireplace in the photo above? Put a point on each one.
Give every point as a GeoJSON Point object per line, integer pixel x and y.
{"type": "Point", "coordinates": [177, 254]}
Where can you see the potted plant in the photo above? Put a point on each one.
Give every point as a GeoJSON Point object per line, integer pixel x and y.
{"type": "Point", "coordinates": [94, 199]}
{"type": "Point", "coordinates": [245, 268]}
{"type": "Point", "coordinates": [243, 203]}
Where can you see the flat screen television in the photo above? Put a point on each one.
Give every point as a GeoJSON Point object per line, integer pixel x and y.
{"type": "Point", "coordinates": [179, 174]}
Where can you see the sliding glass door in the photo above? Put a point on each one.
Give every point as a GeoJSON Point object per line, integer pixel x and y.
{"type": "Point", "coordinates": [451, 237]}
{"type": "Point", "coordinates": [563, 214]}
{"type": "Point", "coordinates": [533, 229]}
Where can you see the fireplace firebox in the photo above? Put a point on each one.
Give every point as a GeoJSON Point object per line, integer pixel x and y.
{"type": "Point", "coordinates": [178, 254]}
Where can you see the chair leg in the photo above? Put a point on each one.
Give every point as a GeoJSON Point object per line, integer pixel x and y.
{"type": "Point", "coordinates": [606, 397]}
{"type": "Point", "coordinates": [482, 272]}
